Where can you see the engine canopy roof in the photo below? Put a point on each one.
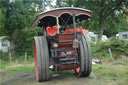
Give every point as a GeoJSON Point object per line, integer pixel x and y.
{"type": "Point", "coordinates": [64, 15]}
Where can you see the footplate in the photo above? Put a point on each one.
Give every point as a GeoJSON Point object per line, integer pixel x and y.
{"type": "Point", "coordinates": [67, 61]}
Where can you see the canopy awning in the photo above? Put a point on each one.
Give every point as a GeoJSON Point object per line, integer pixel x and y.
{"type": "Point", "coordinates": [65, 16]}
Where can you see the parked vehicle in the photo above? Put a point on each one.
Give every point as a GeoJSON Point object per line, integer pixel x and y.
{"type": "Point", "coordinates": [122, 35]}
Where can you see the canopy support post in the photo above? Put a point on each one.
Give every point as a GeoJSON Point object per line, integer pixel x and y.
{"type": "Point", "coordinates": [57, 21]}
{"type": "Point", "coordinates": [75, 42]}
{"type": "Point", "coordinates": [74, 24]}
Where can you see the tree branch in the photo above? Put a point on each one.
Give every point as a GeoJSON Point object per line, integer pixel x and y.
{"type": "Point", "coordinates": [109, 11]}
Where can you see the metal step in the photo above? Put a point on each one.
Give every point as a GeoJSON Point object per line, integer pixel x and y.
{"type": "Point", "coordinates": [59, 57]}
{"type": "Point", "coordinates": [67, 61]}
{"type": "Point", "coordinates": [58, 49]}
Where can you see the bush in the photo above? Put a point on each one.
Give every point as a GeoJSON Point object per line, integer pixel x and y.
{"type": "Point", "coordinates": [21, 59]}
{"type": "Point", "coordinates": [25, 42]}
{"type": "Point", "coordinates": [118, 48]}
{"type": "Point", "coordinates": [3, 56]}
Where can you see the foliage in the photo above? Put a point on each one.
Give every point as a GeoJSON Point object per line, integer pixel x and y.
{"type": "Point", "coordinates": [3, 64]}
{"type": "Point", "coordinates": [25, 42]}
{"type": "Point", "coordinates": [15, 20]}
{"type": "Point", "coordinates": [119, 48]}
{"type": "Point", "coordinates": [108, 15]}
{"type": "Point", "coordinates": [113, 26]}
{"type": "Point", "coordinates": [18, 17]}
{"type": "Point", "coordinates": [3, 9]}
{"type": "Point", "coordinates": [3, 56]}
{"type": "Point", "coordinates": [21, 59]}
{"type": "Point", "coordinates": [104, 11]}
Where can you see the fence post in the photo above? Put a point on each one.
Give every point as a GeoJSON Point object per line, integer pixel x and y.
{"type": "Point", "coordinates": [25, 56]}
{"type": "Point", "coordinates": [110, 52]}
{"type": "Point", "coordinates": [10, 56]}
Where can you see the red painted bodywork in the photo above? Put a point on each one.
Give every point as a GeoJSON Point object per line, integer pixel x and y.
{"type": "Point", "coordinates": [66, 41]}
{"type": "Point", "coordinates": [78, 30]}
{"type": "Point", "coordinates": [52, 31]}
{"type": "Point", "coordinates": [67, 67]}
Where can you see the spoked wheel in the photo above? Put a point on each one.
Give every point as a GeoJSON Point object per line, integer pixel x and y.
{"type": "Point", "coordinates": [41, 55]}
{"type": "Point", "coordinates": [85, 57]}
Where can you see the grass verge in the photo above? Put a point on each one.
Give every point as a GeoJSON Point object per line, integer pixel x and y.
{"type": "Point", "coordinates": [115, 73]}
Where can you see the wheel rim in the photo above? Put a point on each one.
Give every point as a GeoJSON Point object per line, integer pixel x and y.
{"type": "Point", "coordinates": [80, 66]}
{"type": "Point", "coordinates": [78, 69]}
{"type": "Point", "coordinates": [35, 58]}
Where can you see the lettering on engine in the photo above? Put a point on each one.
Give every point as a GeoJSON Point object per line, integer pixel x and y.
{"type": "Point", "coordinates": [67, 53]}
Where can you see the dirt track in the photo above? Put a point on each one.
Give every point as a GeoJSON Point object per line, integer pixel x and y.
{"type": "Point", "coordinates": [65, 78]}
{"type": "Point", "coordinates": [11, 80]}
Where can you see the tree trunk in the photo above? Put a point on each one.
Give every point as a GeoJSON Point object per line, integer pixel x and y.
{"type": "Point", "coordinates": [12, 42]}
{"type": "Point", "coordinates": [104, 15]}
{"type": "Point", "coordinates": [12, 46]}
{"type": "Point", "coordinates": [101, 27]}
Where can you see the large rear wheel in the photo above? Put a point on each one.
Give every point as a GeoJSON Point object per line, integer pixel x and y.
{"type": "Point", "coordinates": [85, 58]}
{"type": "Point", "coordinates": [86, 37]}
{"type": "Point", "coordinates": [41, 55]}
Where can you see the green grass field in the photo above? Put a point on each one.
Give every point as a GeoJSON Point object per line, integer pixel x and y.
{"type": "Point", "coordinates": [115, 73]}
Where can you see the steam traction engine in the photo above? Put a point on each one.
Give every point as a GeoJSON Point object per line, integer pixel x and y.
{"type": "Point", "coordinates": [60, 47]}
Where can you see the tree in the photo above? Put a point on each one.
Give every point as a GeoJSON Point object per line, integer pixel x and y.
{"type": "Point", "coordinates": [103, 10]}
{"type": "Point", "coordinates": [16, 17]}
{"type": "Point", "coordinates": [40, 5]}
{"type": "Point", "coordinates": [112, 27]}
{"type": "Point", "coordinates": [3, 9]}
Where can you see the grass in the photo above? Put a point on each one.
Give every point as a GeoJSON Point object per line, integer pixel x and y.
{"type": "Point", "coordinates": [115, 69]}
{"type": "Point", "coordinates": [110, 71]}
{"type": "Point", "coordinates": [4, 64]}
{"type": "Point", "coordinates": [115, 73]}
{"type": "Point", "coordinates": [11, 68]}
{"type": "Point", "coordinates": [20, 69]}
